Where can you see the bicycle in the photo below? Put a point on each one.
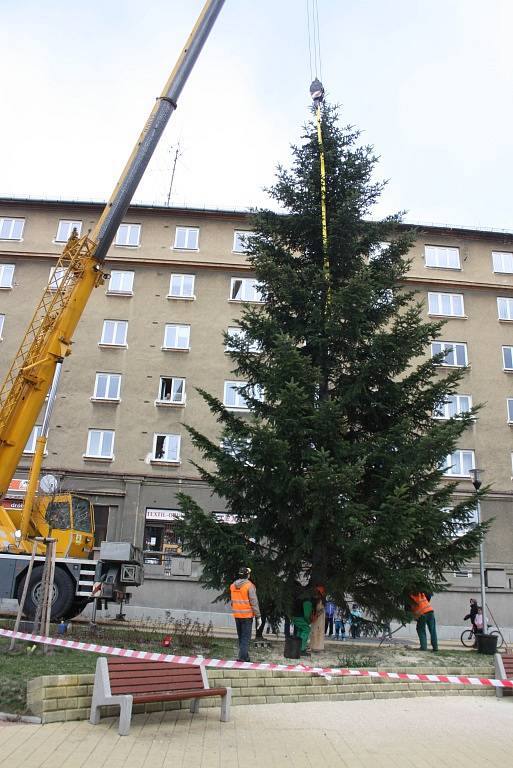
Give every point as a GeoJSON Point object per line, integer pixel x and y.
{"type": "Point", "coordinates": [468, 636]}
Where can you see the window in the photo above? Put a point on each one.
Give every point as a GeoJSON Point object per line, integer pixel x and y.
{"type": "Point", "coordinates": [100, 444]}
{"type": "Point", "coordinates": [507, 358]}
{"type": "Point", "coordinates": [454, 405]}
{"type": "Point", "coordinates": [171, 391]}
{"type": "Point", "coordinates": [56, 277]}
{"type": "Point", "coordinates": [459, 464]}
{"type": "Point", "coordinates": [11, 229]}
{"type": "Point", "coordinates": [2, 320]}
{"type": "Point", "coordinates": [233, 397]}
{"type": "Point", "coordinates": [245, 289]}
{"type": "Point", "coordinates": [441, 256]}
{"type": "Point", "coordinates": [128, 235]}
{"type": "Point", "coordinates": [161, 539]}
{"type": "Point", "coordinates": [502, 262]}
{"type": "Point", "coordinates": [121, 281]}
{"type": "Point", "coordinates": [505, 308]}
{"type": "Point", "coordinates": [166, 448]}
{"type": "Point", "coordinates": [65, 229]}
{"type": "Point", "coordinates": [455, 352]}
{"type": "Point", "coordinates": [181, 287]}
{"type": "Point", "coordinates": [376, 250]}
{"type": "Point", "coordinates": [107, 386]}
{"type": "Point", "coordinates": [509, 403]}
{"type": "Point", "coordinates": [446, 304]}
{"type": "Point", "coordinates": [187, 238]}
{"type": "Point", "coordinates": [235, 446]}
{"type": "Point", "coordinates": [238, 333]}
{"type": "Point", "coordinates": [114, 333]}
{"type": "Point", "coordinates": [177, 336]}
{"type": "Point", "coordinates": [6, 275]}
{"type": "Point", "coordinates": [31, 442]}
{"type": "Point", "coordinates": [240, 240]}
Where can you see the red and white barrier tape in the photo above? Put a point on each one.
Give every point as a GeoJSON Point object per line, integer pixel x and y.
{"type": "Point", "coordinates": [231, 664]}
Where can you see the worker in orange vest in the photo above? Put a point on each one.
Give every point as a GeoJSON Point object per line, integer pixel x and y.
{"type": "Point", "coordinates": [424, 614]}
{"type": "Point", "coordinates": [245, 608]}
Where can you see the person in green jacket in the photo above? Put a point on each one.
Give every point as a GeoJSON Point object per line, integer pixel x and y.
{"type": "Point", "coordinates": [303, 609]}
{"type": "Point", "coordinates": [304, 614]}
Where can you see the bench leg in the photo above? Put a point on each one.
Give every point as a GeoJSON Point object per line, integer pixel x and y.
{"type": "Point", "coordinates": [226, 700]}
{"type": "Point", "coordinates": [195, 706]}
{"type": "Point", "coordinates": [125, 715]}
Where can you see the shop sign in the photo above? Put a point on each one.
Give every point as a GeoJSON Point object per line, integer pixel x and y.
{"type": "Point", "coordinates": [17, 488]}
{"type": "Point", "coordinates": [163, 515]}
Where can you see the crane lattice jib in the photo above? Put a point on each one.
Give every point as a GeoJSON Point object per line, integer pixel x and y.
{"type": "Point", "coordinates": [47, 340]}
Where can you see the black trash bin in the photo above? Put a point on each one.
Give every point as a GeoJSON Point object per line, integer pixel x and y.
{"type": "Point", "coordinates": [486, 644]}
{"type": "Point", "coordinates": [292, 648]}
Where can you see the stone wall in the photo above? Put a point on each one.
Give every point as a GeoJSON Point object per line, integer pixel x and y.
{"type": "Point", "coordinates": [68, 697]}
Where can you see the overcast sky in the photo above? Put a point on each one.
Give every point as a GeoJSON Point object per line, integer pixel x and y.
{"type": "Point", "coordinates": [429, 82]}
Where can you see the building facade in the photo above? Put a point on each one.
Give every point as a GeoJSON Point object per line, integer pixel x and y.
{"type": "Point", "coordinates": [153, 334]}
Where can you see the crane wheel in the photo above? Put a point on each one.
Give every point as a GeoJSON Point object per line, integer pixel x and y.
{"type": "Point", "coordinates": [63, 593]}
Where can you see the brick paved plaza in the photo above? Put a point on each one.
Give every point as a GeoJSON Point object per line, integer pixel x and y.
{"type": "Point", "coordinates": [446, 732]}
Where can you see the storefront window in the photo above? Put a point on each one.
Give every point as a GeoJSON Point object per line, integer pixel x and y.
{"type": "Point", "coordinates": [161, 541]}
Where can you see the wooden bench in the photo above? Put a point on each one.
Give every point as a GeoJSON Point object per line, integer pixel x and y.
{"type": "Point", "coordinates": [124, 681]}
{"type": "Point", "coordinates": [503, 671]}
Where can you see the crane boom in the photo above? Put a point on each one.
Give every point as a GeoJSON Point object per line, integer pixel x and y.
{"type": "Point", "coordinates": [49, 336]}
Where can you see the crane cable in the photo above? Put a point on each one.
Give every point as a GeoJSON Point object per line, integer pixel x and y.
{"type": "Point", "coordinates": [317, 94]}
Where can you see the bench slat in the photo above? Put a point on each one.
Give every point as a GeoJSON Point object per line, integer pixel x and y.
{"type": "Point", "coordinates": [157, 674]}
{"type": "Point", "coordinates": [160, 686]}
{"type": "Point", "coordinates": [180, 696]}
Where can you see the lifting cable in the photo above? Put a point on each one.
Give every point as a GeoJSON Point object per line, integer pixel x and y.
{"type": "Point", "coordinates": [317, 94]}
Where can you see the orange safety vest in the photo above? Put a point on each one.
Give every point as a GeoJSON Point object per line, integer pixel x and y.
{"type": "Point", "coordinates": [241, 604]}
{"type": "Point", "coordinates": [420, 605]}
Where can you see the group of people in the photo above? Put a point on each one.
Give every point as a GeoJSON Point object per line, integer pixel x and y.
{"type": "Point", "coordinates": [476, 617]}
{"type": "Point", "coordinates": [337, 619]}
{"type": "Point", "coordinates": [306, 608]}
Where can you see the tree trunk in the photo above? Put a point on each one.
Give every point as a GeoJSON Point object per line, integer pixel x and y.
{"type": "Point", "coordinates": [317, 630]}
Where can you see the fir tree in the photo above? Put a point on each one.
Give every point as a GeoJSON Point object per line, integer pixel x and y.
{"type": "Point", "coordinates": [335, 476]}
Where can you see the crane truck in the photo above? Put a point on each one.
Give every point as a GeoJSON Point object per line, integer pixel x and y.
{"type": "Point", "coordinates": [34, 377]}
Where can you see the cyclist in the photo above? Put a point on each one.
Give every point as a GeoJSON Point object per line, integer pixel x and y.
{"type": "Point", "coordinates": [472, 613]}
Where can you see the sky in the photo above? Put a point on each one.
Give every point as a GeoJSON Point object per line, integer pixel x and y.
{"type": "Point", "coordinates": [428, 82]}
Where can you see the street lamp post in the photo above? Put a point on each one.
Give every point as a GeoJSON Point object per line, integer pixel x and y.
{"type": "Point", "coordinates": [476, 482]}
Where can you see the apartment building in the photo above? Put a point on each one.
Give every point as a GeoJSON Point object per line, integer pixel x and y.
{"type": "Point", "coordinates": [154, 333]}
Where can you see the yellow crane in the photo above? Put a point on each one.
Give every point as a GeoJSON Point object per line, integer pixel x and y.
{"type": "Point", "coordinates": [35, 373]}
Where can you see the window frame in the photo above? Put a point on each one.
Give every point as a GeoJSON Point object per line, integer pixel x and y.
{"type": "Point", "coordinates": [14, 220]}
{"type": "Point", "coordinates": [71, 222]}
{"type": "Point", "coordinates": [181, 296]}
{"type": "Point", "coordinates": [237, 233]}
{"type": "Point", "coordinates": [241, 384]}
{"type": "Point", "coordinates": [446, 345]}
{"type": "Point", "coordinates": [254, 347]}
{"type": "Point", "coordinates": [3, 270]}
{"type": "Point", "coordinates": [96, 397]}
{"type": "Point", "coordinates": [458, 410]}
{"type": "Point", "coordinates": [244, 281]}
{"type": "Point", "coordinates": [509, 304]}
{"type": "Point", "coordinates": [172, 403]}
{"type": "Point", "coordinates": [2, 324]}
{"type": "Point", "coordinates": [509, 411]}
{"type": "Point", "coordinates": [188, 231]}
{"type": "Point", "coordinates": [461, 451]}
{"type": "Point", "coordinates": [112, 292]}
{"type": "Point", "coordinates": [129, 226]}
{"type": "Point", "coordinates": [501, 256]}
{"type": "Point", "coordinates": [166, 347]}
{"type": "Point", "coordinates": [452, 296]}
{"type": "Point", "coordinates": [103, 343]}
{"type": "Point", "coordinates": [166, 460]}
{"type": "Point", "coordinates": [504, 367]}
{"type": "Point", "coordinates": [438, 252]}
{"type": "Point", "coordinates": [56, 277]}
{"type": "Point", "coordinates": [34, 434]}
{"type": "Point", "coordinates": [102, 432]}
